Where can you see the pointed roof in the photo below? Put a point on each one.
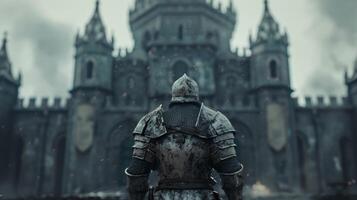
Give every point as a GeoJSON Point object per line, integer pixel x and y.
{"type": "Point", "coordinates": [3, 53]}
{"type": "Point", "coordinates": [95, 29]}
{"type": "Point", "coordinates": [5, 64]}
{"type": "Point", "coordinates": [268, 28]}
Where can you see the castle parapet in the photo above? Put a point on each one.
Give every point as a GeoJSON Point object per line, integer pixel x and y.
{"type": "Point", "coordinates": [321, 101]}
{"type": "Point", "coordinates": [41, 104]}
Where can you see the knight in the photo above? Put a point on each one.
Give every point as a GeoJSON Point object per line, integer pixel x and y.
{"type": "Point", "coordinates": [184, 144]}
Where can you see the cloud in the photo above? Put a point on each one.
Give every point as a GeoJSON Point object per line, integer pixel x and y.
{"type": "Point", "coordinates": [335, 31]}
{"type": "Point", "coordinates": [49, 42]}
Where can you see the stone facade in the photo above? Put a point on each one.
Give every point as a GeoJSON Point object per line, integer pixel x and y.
{"type": "Point", "coordinates": [84, 144]}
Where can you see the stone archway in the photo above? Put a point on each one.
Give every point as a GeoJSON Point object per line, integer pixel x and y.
{"type": "Point", "coordinates": [246, 150]}
{"type": "Point", "coordinates": [58, 148]}
{"type": "Point", "coordinates": [118, 153]}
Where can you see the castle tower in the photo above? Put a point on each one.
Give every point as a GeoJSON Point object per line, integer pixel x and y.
{"type": "Point", "coordinates": [91, 88]}
{"type": "Point", "coordinates": [178, 37]}
{"type": "Point", "coordinates": [351, 83]}
{"type": "Point", "coordinates": [271, 84]}
{"type": "Point", "coordinates": [8, 95]}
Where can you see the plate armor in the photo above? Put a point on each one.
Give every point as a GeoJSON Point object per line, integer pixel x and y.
{"type": "Point", "coordinates": [184, 144]}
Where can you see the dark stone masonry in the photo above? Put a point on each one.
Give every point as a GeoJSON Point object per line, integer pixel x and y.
{"type": "Point", "coordinates": [290, 150]}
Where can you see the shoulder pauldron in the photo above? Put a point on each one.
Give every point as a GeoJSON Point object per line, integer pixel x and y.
{"type": "Point", "coordinates": [212, 123]}
{"type": "Point", "coordinates": [151, 125]}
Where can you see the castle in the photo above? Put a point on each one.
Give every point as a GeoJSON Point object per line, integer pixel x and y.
{"type": "Point", "coordinates": [84, 144]}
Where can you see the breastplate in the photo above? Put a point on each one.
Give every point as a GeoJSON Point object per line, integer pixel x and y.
{"type": "Point", "coordinates": [183, 157]}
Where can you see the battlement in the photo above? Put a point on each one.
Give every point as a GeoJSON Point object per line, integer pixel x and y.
{"type": "Point", "coordinates": [124, 52]}
{"type": "Point", "coordinates": [242, 52]}
{"type": "Point", "coordinates": [44, 103]}
{"type": "Point", "coordinates": [321, 102]}
{"type": "Point", "coordinates": [141, 7]}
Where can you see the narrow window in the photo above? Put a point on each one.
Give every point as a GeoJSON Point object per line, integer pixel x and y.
{"type": "Point", "coordinates": [18, 162]}
{"type": "Point", "coordinates": [180, 32]}
{"type": "Point", "coordinates": [301, 157]}
{"type": "Point", "coordinates": [273, 69]}
{"type": "Point", "coordinates": [59, 164]}
{"type": "Point", "coordinates": [344, 150]}
{"type": "Point", "coordinates": [90, 67]}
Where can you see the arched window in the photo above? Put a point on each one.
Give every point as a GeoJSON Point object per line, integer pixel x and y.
{"type": "Point", "coordinates": [90, 66]}
{"type": "Point", "coordinates": [180, 32]}
{"type": "Point", "coordinates": [19, 149]}
{"type": "Point", "coordinates": [118, 154]}
{"type": "Point", "coordinates": [246, 150]}
{"type": "Point", "coordinates": [301, 157]}
{"type": "Point", "coordinates": [346, 158]}
{"type": "Point", "coordinates": [179, 68]}
{"type": "Point", "coordinates": [59, 151]}
{"type": "Point", "coordinates": [273, 67]}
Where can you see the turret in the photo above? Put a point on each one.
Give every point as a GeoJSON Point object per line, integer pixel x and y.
{"type": "Point", "coordinates": [351, 82]}
{"type": "Point", "coordinates": [8, 97]}
{"type": "Point", "coordinates": [271, 84]}
{"type": "Point", "coordinates": [8, 87]}
{"type": "Point", "coordinates": [185, 22]}
{"type": "Point", "coordinates": [93, 58]}
{"type": "Point", "coordinates": [270, 58]}
{"type": "Point", "coordinates": [91, 88]}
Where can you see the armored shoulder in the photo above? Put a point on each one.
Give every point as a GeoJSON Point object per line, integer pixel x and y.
{"type": "Point", "coordinates": [214, 122]}
{"type": "Point", "coordinates": [216, 126]}
{"type": "Point", "coordinates": [151, 125]}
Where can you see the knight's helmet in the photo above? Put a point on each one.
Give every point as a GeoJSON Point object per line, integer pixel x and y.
{"type": "Point", "coordinates": [185, 89]}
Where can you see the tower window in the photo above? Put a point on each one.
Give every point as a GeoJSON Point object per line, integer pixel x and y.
{"type": "Point", "coordinates": [273, 66]}
{"type": "Point", "coordinates": [90, 66]}
{"type": "Point", "coordinates": [180, 32]}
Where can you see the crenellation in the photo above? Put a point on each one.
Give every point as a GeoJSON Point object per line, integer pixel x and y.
{"type": "Point", "coordinates": [333, 101]}
{"type": "Point", "coordinates": [44, 102]}
{"type": "Point", "coordinates": [68, 102]}
{"type": "Point", "coordinates": [295, 101]}
{"type": "Point", "coordinates": [32, 102]}
{"type": "Point", "coordinates": [20, 103]}
{"type": "Point", "coordinates": [57, 102]}
{"type": "Point", "coordinates": [345, 101]}
{"type": "Point", "coordinates": [320, 101]}
{"type": "Point", "coordinates": [308, 101]}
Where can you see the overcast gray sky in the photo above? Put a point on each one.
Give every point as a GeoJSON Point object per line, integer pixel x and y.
{"type": "Point", "coordinates": [41, 36]}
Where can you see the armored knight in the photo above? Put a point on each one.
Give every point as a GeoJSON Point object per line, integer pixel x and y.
{"type": "Point", "coordinates": [184, 144]}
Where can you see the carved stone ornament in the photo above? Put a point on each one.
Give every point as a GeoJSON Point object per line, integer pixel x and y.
{"type": "Point", "coordinates": [277, 127]}
{"type": "Point", "coordinates": [84, 127]}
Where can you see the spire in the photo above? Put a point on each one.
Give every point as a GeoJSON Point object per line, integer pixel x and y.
{"type": "Point", "coordinates": [4, 59]}
{"type": "Point", "coordinates": [266, 6]}
{"type": "Point", "coordinates": [97, 6]}
{"type": "Point", "coordinates": [269, 29]}
{"type": "Point", "coordinates": [95, 29]}
{"type": "Point", "coordinates": [3, 50]}
{"type": "Point", "coordinates": [5, 65]}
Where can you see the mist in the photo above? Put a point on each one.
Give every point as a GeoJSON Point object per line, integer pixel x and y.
{"type": "Point", "coordinates": [335, 31]}
{"type": "Point", "coordinates": [47, 44]}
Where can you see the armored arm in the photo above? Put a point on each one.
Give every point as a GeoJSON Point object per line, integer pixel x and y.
{"type": "Point", "coordinates": [141, 165]}
{"type": "Point", "coordinates": [224, 157]}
